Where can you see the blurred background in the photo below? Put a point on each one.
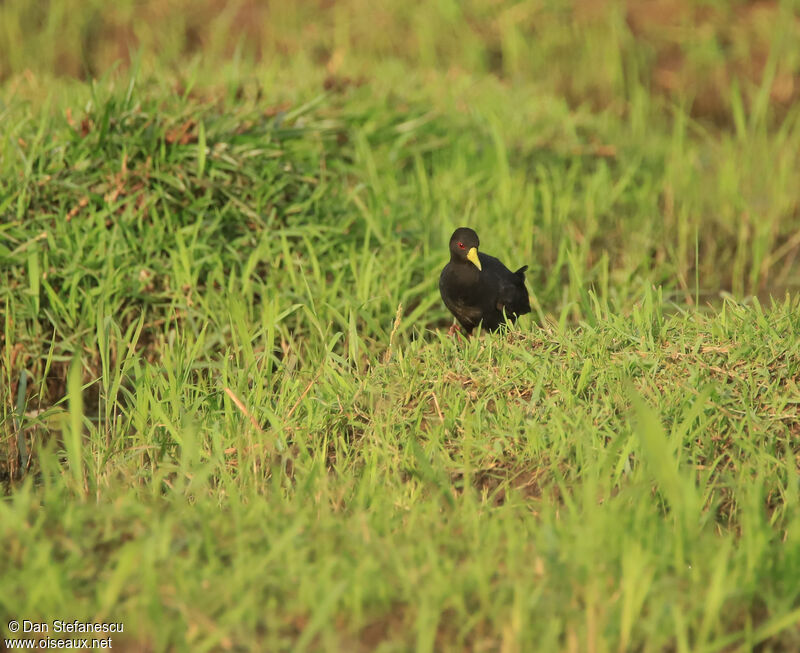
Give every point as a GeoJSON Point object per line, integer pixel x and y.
{"type": "Point", "coordinates": [597, 52]}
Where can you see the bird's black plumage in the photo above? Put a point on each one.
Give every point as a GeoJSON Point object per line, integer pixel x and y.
{"type": "Point", "coordinates": [477, 287]}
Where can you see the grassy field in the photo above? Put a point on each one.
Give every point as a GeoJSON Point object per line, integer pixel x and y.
{"type": "Point", "coordinates": [230, 415]}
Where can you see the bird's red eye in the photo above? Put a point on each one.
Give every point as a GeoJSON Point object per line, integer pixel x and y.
{"type": "Point", "coordinates": [461, 245]}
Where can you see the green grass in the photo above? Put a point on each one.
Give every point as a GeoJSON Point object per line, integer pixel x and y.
{"type": "Point", "coordinates": [229, 414]}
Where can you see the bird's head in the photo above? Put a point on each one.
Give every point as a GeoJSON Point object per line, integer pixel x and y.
{"type": "Point", "coordinates": [464, 246]}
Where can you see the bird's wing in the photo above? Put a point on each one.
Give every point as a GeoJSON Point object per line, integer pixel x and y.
{"type": "Point", "coordinates": [511, 293]}
{"type": "Point", "coordinates": [513, 297]}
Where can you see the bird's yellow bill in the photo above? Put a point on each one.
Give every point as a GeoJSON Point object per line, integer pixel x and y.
{"type": "Point", "coordinates": [472, 255]}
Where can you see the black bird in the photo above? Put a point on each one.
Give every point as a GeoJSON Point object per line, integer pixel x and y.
{"type": "Point", "coordinates": [477, 287]}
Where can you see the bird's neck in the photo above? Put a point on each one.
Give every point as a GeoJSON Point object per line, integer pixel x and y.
{"type": "Point", "coordinates": [466, 272]}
